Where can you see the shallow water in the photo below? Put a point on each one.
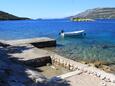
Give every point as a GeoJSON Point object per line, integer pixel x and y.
{"type": "Point", "coordinates": [98, 44]}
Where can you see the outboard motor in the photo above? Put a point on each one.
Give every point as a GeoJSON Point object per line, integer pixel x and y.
{"type": "Point", "coordinates": [61, 32]}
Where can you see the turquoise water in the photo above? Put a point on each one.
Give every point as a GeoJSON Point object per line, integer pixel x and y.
{"type": "Point", "coordinates": [98, 44]}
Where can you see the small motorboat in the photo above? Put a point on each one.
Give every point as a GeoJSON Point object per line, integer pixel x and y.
{"type": "Point", "coordinates": [74, 33]}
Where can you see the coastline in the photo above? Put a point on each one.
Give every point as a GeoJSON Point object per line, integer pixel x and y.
{"type": "Point", "coordinates": [103, 65]}
{"type": "Point", "coordinates": [30, 53]}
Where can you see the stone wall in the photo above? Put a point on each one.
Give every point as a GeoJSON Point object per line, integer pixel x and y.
{"type": "Point", "coordinates": [73, 65]}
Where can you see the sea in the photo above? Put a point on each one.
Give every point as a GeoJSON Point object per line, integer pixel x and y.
{"type": "Point", "coordinates": [97, 45]}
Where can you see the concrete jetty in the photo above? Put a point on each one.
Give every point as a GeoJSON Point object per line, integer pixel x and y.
{"type": "Point", "coordinates": [31, 55]}
{"type": "Point", "coordinates": [37, 57]}
{"type": "Point", "coordinates": [37, 42]}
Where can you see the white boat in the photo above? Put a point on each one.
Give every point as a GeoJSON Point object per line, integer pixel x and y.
{"type": "Point", "coordinates": [74, 33]}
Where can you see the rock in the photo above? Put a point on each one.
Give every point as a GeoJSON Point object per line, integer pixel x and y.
{"type": "Point", "coordinates": [4, 45]}
{"type": "Point", "coordinates": [35, 76]}
{"type": "Point", "coordinates": [98, 74]}
{"type": "Point", "coordinates": [103, 84]}
{"type": "Point", "coordinates": [105, 46]}
{"type": "Point", "coordinates": [48, 64]}
{"type": "Point", "coordinates": [41, 80]}
{"type": "Point", "coordinates": [102, 77]}
{"type": "Point", "coordinates": [106, 68]}
{"type": "Point", "coordinates": [107, 80]}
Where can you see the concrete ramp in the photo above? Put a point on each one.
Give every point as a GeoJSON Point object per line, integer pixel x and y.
{"type": "Point", "coordinates": [37, 42]}
{"type": "Point", "coordinates": [30, 55]}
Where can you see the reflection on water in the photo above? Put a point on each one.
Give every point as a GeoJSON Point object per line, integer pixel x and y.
{"type": "Point", "coordinates": [85, 49]}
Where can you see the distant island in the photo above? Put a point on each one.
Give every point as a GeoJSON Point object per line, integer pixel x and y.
{"type": "Point", "coordinates": [82, 19]}
{"type": "Point", "coordinates": [7, 16]}
{"type": "Point", "coordinates": [97, 13]}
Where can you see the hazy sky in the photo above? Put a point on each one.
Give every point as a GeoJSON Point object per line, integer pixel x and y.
{"type": "Point", "coordinates": [51, 8]}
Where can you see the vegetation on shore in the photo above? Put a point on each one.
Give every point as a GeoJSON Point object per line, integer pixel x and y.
{"type": "Point", "coordinates": [103, 65]}
{"type": "Point", "coordinates": [82, 19]}
{"type": "Point", "coordinates": [7, 16]}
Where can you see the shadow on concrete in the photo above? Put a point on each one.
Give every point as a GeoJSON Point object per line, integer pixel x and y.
{"type": "Point", "coordinates": [14, 73]}
{"type": "Point", "coordinates": [55, 81]}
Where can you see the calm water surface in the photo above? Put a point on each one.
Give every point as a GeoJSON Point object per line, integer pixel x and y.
{"type": "Point", "coordinates": [99, 43]}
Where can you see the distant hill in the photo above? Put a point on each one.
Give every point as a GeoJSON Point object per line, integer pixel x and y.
{"type": "Point", "coordinates": [97, 13]}
{"type": "Point", "coordinates": [7, 16]}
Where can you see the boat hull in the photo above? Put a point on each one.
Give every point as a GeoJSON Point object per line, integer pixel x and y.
{"type": "Point", "coordinates": [75, 33]}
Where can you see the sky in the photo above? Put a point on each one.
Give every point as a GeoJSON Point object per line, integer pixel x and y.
{"type": "Point", "coordinates": [51, 8]}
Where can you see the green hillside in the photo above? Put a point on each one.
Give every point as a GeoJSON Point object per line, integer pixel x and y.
{"type": "Point", "coordinates": [7, 16]}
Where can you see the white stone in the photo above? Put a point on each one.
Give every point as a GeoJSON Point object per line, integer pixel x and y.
{"type": "Point", "coordinates": [103, 84]}
{"type": "Point", "coordinates": [39, 80]}
{"type": "Point", "coordinates": [98, 75]}
{"type": "Point", "coordinates": [102, 77]}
